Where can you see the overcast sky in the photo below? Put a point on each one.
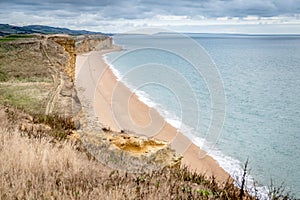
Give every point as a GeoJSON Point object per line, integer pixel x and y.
{"type": "Point", "coordinates": [229, 16]}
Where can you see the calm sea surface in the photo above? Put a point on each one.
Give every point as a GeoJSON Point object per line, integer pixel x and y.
{"type": "Point", "coordinates": [261, 80]}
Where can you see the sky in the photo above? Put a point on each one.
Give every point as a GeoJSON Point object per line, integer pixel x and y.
{"type": "Point", "coordinates": [118, 16]}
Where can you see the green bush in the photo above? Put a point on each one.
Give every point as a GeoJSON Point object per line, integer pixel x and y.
{"type": "Point", "coordinates": [3, 76]}
{"type": "Point", "coordinates": [60, 127]}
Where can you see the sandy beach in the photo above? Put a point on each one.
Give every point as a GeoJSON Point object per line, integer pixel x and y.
{"type": "Point", "coordinates": [117, 108]}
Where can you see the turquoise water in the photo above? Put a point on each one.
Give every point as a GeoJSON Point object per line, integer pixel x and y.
{"type": "Point", "coordinates": [261, 80]}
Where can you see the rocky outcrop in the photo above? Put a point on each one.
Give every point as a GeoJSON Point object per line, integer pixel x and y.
{"type": "Point", "coordinates": [130, 153]}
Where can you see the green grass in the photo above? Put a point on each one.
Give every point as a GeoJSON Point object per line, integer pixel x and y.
{"type": "Point", "coordinates": [13, 37]}
{"type": "Point", "coordinates": [20, 62]}
{"type": "Point", "coordinates": [20, 36]}
{"type": "Point", "coordinates": [18, 101]}
{"type": "Point", "coordinates": [5, 76]}
{"type": "Point", "coordinates": [7, 39]}
{"type": "Point", "coordinates": [26, 97]}
{"type": "Point", "coordinates": [32, 79]}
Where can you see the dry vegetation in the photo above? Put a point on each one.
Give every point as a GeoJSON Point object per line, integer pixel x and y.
{"type": "Point", "coordinates": [39, 169]}
{"type": "Point", "coordinates": [23, 61]}
{"type": "Point", "coordinates": [46, 167]}
{"type": "Point", "coordinates": [49, 166]}
{"type": "Point", "coordinates": [43, 168]}
{"type": "Point", "coordinates": [29, 96]}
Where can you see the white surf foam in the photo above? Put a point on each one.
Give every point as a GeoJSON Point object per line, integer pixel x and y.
{"type": "Point", "coordinates": [113, 69]}
{"type": "Point", "coordinates": [229, 164]}
{"type": "Point", "coordinates": [144, 97]}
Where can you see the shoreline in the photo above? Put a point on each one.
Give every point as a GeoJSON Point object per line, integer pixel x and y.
{"type": "Point", "coordinates": [118, 108]}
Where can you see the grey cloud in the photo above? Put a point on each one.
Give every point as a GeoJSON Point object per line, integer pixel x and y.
{"type": "Point", "coordinates": [139, 9]}
{"type": "Point", "coordinates": [235, 8]}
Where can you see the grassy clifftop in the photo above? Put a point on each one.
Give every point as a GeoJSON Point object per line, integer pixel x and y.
{"type": "Point", "coordinates": [37, 73]}
{"type": "Point", "coordinates": [25, 80]}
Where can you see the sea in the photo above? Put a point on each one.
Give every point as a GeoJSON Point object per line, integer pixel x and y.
{"type": "Point", "coordinates": [236, 96]}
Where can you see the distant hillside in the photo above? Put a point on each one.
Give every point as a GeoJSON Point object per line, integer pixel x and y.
{"type": "Point", "coordinates": [6, 29]}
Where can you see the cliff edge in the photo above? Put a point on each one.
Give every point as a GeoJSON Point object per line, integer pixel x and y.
{"type": "Point", "coordinates": [37, 75]}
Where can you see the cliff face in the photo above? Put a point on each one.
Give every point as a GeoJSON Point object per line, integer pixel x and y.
{"type": "Point", "coordinates": [86, 44]}
{"type": "Point", "coordinates": [69, 46]}
{"type": "Point", "coordinates": [78, 45]}
{"type": "Point", "coordinates": [63, 99]}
